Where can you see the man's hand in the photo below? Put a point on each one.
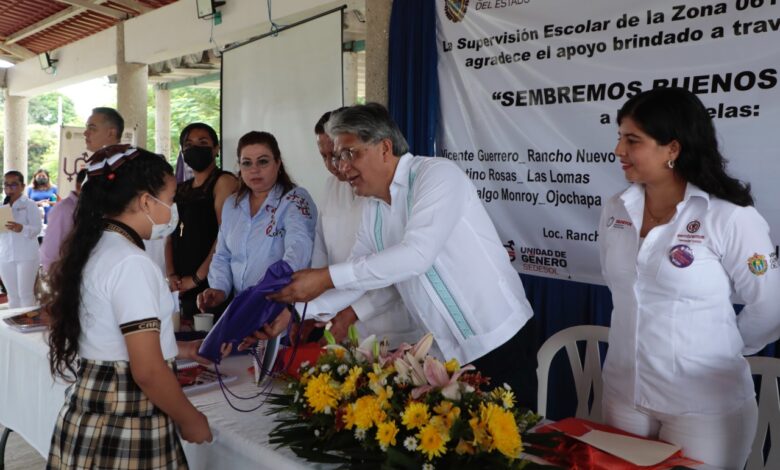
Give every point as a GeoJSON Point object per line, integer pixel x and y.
{"type": "Point", "coordinates": [210, 298]}
{"type": "Point", "coordinates": [270, 330]}
{"type": "Point", "coordinates": [339, 325]}
{"type": "Point", "coordinates": [306, 285]}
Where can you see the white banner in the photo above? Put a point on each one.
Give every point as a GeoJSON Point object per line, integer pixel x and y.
{"type": "Point", "coordinates": [73, 157]}
{"type": "Point", "coordinates": [529, 91]}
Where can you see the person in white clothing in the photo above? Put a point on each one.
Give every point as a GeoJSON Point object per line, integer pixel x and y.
{"type": "Point", "coordinates": [425, 232]}
{"type": "Point", "coordinates": [19, 259]}
{"type": "Point", "coordinates": [677, 246]}
{"type": "Point", "coordinates": [337, 226]}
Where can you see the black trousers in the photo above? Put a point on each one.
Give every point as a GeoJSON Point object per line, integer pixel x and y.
{"type": "Point", "coordinates": [514, 363]}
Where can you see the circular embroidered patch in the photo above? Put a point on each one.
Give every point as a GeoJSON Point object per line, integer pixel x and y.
{"type": "Point", "coordinates": [681, 256]}
{"type": "Point", "coordinates": [693, 226]}
{"type": "Point", "coordinates": [757, 264]}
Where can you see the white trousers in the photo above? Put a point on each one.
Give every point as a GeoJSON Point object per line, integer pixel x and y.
{"type": "Point", "coordinates": [19, 280]}
{"type": "Point", "coordinates": [721, 441]}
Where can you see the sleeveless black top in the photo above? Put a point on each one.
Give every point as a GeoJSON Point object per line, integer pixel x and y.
{"type": "Point", "coordinates": [197, 230]}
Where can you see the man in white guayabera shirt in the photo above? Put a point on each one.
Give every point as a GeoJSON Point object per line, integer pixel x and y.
{"type": "Point", "coordinates": [425, 231]}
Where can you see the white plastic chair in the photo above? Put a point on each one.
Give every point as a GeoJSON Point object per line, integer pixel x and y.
{"type": "Point", "coordinates": [768, 414]}
{"type": "Point", "coordinates": [587, 374]}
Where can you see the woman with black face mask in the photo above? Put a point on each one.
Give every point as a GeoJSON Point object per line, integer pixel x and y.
{"type": "Point", "coordinates": [199, 200]}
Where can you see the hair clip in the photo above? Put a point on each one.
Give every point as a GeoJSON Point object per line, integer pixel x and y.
{"type": "Point", "coordinates": [110, 158]}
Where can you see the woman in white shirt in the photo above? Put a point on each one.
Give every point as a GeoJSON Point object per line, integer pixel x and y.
{"type": "Point", "coordinates": [19, 259]}
{"type": "Point", "coordinates": [677, 245]}
{"type": "Point", "coordinates": [111, 310]}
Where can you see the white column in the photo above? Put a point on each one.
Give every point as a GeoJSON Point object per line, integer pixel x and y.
{"type": "Point", "coordinates": [350, 62]}
{"type": "Point", "coordinates": [162, 122]}
{"type": "Point", "coordinates": [131, 89]}
{"type": "Point", "coordinates": [15, 142]}
{"type": "Point", "coordinates": [377, 44]}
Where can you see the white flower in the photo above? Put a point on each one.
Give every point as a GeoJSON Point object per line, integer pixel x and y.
{"type": "Point", "coordinates": [383, 447]}
{"type": "Point", "coordinates": [326, 410]}
{"type": "Point", "coordinates": [296, 397]}
{"type": "Point", "coordinates": [343, 369]}
{"type": "Point", "coordinates": [399, 379]}
{"type": "Point", "coordinates": [291, 386]}
{"type": "Point", "coordinates": [410, 444]}
{"type": "Point", "coordinates": [428, 466]}
{"type": "Point", "coordinates": [316, 433]}
{"type": "Point", "coordinates": [325, 367]}
{"type": "Point", "coordinates": [360, 434]}
{"type": "Point", "coordinates": [304, 364]}
{"type": "Point", "coordinates": [507, 387]}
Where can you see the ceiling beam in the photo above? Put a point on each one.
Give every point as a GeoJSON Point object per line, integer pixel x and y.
{"type": "Point", "coordinates": [47, 22]}
{"type": "Point", "coordinates": [110, 12]}
{"type": "Point", "coordinates": [134, 5]}
{"type": "Point", "coordinates": [17, 50]}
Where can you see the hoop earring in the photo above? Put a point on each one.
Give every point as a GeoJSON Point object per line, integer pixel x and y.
{"type": "Point", "coordinates": [670, 164]}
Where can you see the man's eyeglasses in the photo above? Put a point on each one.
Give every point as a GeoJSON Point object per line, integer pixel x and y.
{"type": "Point", "coordinates": [349, 154]}
{"type": "Point", "coordinates": [11, 185]}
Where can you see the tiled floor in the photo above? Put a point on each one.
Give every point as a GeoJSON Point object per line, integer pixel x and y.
{"type": "Point", "coordinates": [20, 456]}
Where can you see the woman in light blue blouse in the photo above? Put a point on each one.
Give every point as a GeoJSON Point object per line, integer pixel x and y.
{"type": "Point", "coordinates": [268, 219]}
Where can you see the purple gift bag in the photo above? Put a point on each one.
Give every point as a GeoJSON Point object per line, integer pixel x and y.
{"type": "Point", "coordinates": [248, 312]}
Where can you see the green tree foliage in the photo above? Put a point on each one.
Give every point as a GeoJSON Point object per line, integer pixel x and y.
{"type": "Point", "coordinates": [42, 150]}
{"type": "Point", "coordinates": [43, 110]}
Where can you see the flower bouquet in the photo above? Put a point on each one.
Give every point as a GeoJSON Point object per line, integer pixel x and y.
{"type": "Point", "coordinates": [362, 406]}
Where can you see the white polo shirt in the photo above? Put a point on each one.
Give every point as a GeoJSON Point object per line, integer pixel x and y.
{"type": "Point", "coordinates": [675, 344]}
{"type": "Point", "coordinates": [338, 222]}
{"type": "Point", "coordinates": [121, 285]}
{"type": "Point", "coordinates": [438, 246]}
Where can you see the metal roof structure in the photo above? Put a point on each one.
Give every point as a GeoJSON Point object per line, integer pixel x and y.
{"type": "Point", "coordinates": [31, 27]}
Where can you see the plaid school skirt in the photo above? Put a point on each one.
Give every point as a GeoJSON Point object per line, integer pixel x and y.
{"type": "Point", "coordinates": [108, 423]}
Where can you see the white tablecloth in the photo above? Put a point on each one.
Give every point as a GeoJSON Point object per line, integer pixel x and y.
{"type": "Point", "coordinates": [30, 401]}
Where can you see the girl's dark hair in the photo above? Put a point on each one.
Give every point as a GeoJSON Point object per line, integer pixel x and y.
{"type": "Point", "coordinates": [668, 114]}
{"type": "Point", "coordinates": [267, 139]}
{"type": "Point", "coordinates": [37, 185]}
{"type": "Point", "coordinates": [103, 196]}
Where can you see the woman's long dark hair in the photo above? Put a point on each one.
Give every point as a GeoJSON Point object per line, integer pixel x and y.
{"type": "Point", "coordinates": [102, 196]}
{"type": "Point", "coordinates": [668, 114]}
{"type": "Point", "coordinates": [267, 139]}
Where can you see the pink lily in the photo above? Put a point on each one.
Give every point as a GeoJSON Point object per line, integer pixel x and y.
{"type": "Point", "coordinates": [438, 378]}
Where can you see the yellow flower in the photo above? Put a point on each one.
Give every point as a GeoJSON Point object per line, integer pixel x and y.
{"type": "Point", "coordinates": [368, 412]}
{"type": "Point", "coordinates": [348, 417]}
{"type": "Point", "coordinates": [464, 447]}
{"type": "Point", "coordinates": [481, 436]}
{"type": "Point", "coordinates": [385, 433]}
{"type": "Point", "coordinates": [504, 395]}
{"type": "Point", "coordinates": [503, 429]}
{"type": "Point", "coordinates": [432, 442]}
{"type": "Point", "coordinates": [350, 383]}
{"type": "Point", "coordinates": [339, 352]}
{"type": "Point", "coordinates": [415, 415]}
{"type": "Point", "coordinates": [443, 408]}
{"type": "Point", "coordinates": [452, 366]}
{"type": "Point", "coordinates": [320, 394]}
{"type": "Point", "coordinates": [383, 395]}
{"type": "Point", "coordinates": [448, 412]}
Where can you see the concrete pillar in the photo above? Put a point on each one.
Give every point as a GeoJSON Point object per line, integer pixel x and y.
{"type": "Point", "coordinates": [350, 62]}
{"type": "Point", "coordinates": [15, 142]}
{"type": "Point", "coordinates": [162, 122]}
{"type": "Point", "coordinates": [377, 42]}
{"type": "Point", "coordinates": [131, 89]}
